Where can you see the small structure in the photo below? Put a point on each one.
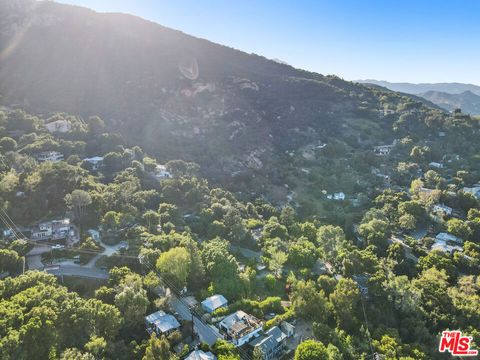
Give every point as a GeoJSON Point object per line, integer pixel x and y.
{"type": "Point", "coordinates": [162, 173]}
{"type": "Point", "coordinates": [96, 162]}
{"type": "Point", "coordinates": [94, 234]}
{"type": "Point", "coordinates": [271, 343]}
{"type": "Point", "coordinates": [383, 150]}
{"type": "Point", "coordinates": [287, 328]}
{"type": "Point", "coordinates": [443, 236]}
{"type": "Point", "coordinates": [475, 191]}
{"type": "Point", "coordinates": [442, 209]}
{"type": "Point", "coordinates": [336, 196]}
{"type": "Point", "coordinates": [436, 165]}
{"type": "Point", "coordinates": [53, 156]}
{"type": "Point", "coordinates": [200, 355]}
{"type": "Point", "coordinates": [61, 126]}
{"type": "Point", "coordinates": [161, 323]}
{"type": "Point", "coordinates": [214, 302]}
{"type": "Point", "coordinates": [241, 327]}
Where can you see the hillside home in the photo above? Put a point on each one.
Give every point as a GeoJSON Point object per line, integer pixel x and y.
{"type": "Point", "coordinates": [336, 196]}
{"type": "Point", "coordinates": [95, 162]}
{"type": "Point", "coordinates": [51, 230]}
{"type": "Point", "coordinates": [214, 302]}
{"type": "Point", "coordinates": [475, 191]}
{"type": "Point", "coordinates": [382, 150]}
{"type": "Point", "coordinates": [161, 323]}
{"type": "Point", "coordinates": [436, 165]}
{"type": "Point", "coordinates": [61, 126]}
{"type": "Point", "coordinates": [271, 343]}
{"type": "Point", "coordinates": [442, 209]}
{"type": "Point", "coordinates": [94, 234]}
{"type": "Point", "coordinates": [443, 236]}
{"type": "Point", "coordinates": [447, 243]}
{"type": "Point", "coordinates": [241, 327]}
{"type": "Point", "coordinates": [53, 156]}
{"type": "Point", "coordinates": [161, 173]}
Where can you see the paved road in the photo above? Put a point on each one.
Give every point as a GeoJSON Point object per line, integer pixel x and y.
{"type": "Point", "coordinates": [408, 249]}
{"type": "Point", "coordinates": [75, 270]}
{"type": "Point", "coordinates": [207, 334]}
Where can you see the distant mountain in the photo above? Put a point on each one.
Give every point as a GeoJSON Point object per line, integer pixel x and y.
{"type": "Point", "coordinates": [467, 101]}
{"type": "Point", "coordinates": [409, 88]}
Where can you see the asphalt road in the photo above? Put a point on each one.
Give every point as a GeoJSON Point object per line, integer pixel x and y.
{"type": "Point", "coordinates": [207, 334]}
{"type": "Point", "coordinates": [71, 270]}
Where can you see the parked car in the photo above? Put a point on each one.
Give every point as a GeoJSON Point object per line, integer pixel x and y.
{"type": "Point", "coordinates": [58, 246]}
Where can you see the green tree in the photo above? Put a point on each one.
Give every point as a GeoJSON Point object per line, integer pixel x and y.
{"type": "Point", "coordinates": [311, 350]}
{"type": "Point", "coordinates": [175, 265]}
{"type": "Point", "coordinates": [157, 349]}
{"type": "Point", "coordinates": [132, 300]}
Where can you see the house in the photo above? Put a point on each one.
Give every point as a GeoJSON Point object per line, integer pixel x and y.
{"type": "Point", "coordinates": [214, 302]}
{"type": "Point", "coordinates": [161, 323]}
{"type": "Point", "coordinates": [336, 196]}
{"type": "Point", "coordinates": [475, 191]}
{"type": "Point", "coordinates": [94, 234]}
{"type": "Point", "coordinates": [444, 247]}
{"type": "Point", "coordinates": [200, 355]}
{"type": "Point", "coordinates": [271, 343]}
{"type": "Point", "coordinates": [241, 327]}
{"type": "Point", "coordinates": [446, 237]}
{"type": "Point", "coordinates": [383, 150]}
{"type": "Point", "coordinates": [53, 156]}
{"type": "Point", "coordinates": [442, 209]}
{"type": "Point", "coordinates": [287, 328]}
{"type": "Point", "coordinates": [96, 162]}
{"type": "Point", "coordinates": [161, 172]}
{"type": "Point", "coordinates": [61, 126]}
{"type": "Point", "coordinates": [51, 230]}
{"type": "Point", "coordinates": [436, 165]}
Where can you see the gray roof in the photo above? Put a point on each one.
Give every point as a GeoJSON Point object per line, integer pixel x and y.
{"type": "Point", "coordinates": [214, 302]}
{"type": "Point", "coordinates": [200, 355]}
{"type": "Point", "coordinates": [270, 339]}
{"type": "Point", "coordinates": [162, 321]}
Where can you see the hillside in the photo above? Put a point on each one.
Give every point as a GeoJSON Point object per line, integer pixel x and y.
{"type": "Point", "coordinates": [467, 101]}
{"type": "Point", "coordinates": [409, 88]}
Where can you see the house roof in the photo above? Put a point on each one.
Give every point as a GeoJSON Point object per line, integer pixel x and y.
{"type": "Point", "coordinates": [443, 236]}
{"type": "Point", "coordinates": [270, 339]}
{"type": "Point", "coordinates": [163, 322]}
{"type": "Point", "coordinates": [214, 302]}
{"type": "Point", "coordinates": [200, 355]}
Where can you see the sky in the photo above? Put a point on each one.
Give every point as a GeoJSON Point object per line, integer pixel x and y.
{"type": "Point", "coordinates": [394, 40]}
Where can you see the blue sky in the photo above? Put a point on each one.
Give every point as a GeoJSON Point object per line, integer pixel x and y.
{"type": "Point", "coordinates": [394, 40]}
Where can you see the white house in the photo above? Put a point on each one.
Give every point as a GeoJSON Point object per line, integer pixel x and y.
{"type": "Point", "coordinates": [53, 156]}
{"type": "Point", "coordinates": [382, 150]}
{"type": "Point", "coordinates": [336, 196]}
{"type": "Point", "coordinates": [241, 327]}
{"type": "Point", "coordinates": [161, 172]}
{"type": "Point", "coordinates": [442, 209]}
{"type": "Point", "coordinates": [436, 165]}
{"type": "Point", "coordinates": [214, 302]}
{"type": "Point", "coordinates": [443, 246]}
{"type": "Point", "coordinates": [61, 126]}
{"type": "Point", "coordinates": [161, 323]}
{"type": "Point", "coordinates": [95, 162]}
{"type": "Point", "coordinates": [55, 229]}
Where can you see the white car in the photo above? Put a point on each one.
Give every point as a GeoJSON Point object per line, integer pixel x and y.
{"type": "Point", "coordinates": [58, 246]}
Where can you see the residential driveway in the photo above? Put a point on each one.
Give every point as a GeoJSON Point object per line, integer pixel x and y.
{"type": "Point", "coordinates": [34, 256]}
{"type": "Point", "coordinates": [408, 249]}
{"type": "Point", "coordinates": [109, 251]}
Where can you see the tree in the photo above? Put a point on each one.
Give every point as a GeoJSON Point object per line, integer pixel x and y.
{"type": "Point", "coordinates": [175, 265]}
{"type": "Point", "coordinates": [7, 144]}
{"type": "Point", "coordinates": [302, 253]}
{"type": "Point", "coordinates": [157, 349]}
{"type": "Point", "coordinates": [258, 353]}
{"type": "Point", "coordinates": [9, 260]}
{"type": "Point", "coordinates": [96, 125]}
{"type": "Point", "coordinates": [276, 262]}
{"type": "Point", "coordinates": [150, 219]}
{"type": "Point", "coordinates": [459, 228]}
{"type": "Point", "coordinates": [75, 354]}
{"type": "Point", "coordinates": [308, 302]}
{"type": "Point", "coordinates": [375, 232]}
{"type": "Point", "coordinates": [78, 200]}
{"type": "Point", "coordinates": [132, 300]}
{"type": "Point", "coordinates": [311, 350]}
{"type": "Point", "coordinates": [345, 300]}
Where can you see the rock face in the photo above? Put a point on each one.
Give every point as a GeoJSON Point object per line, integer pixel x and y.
{"type": "Point", "coordinates": [177, 95]}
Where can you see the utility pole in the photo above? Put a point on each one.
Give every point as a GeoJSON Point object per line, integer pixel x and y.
{"type": "Point", "coordinates": [23, 268]}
